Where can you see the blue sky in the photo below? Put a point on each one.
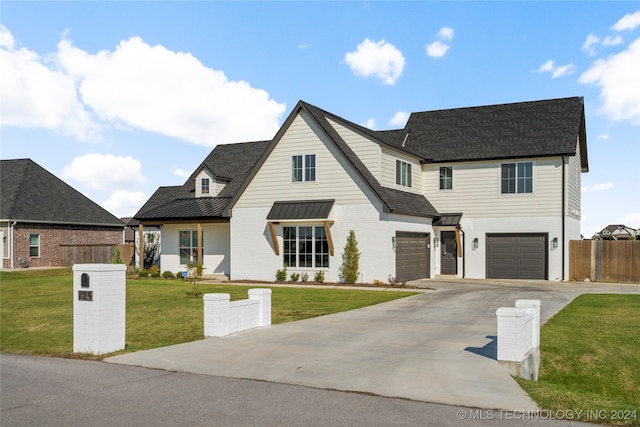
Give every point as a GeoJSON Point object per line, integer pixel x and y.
{"type": "Point", "coordinates": [118, 98]}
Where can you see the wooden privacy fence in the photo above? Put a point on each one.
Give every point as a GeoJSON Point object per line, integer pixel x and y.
{"type": "Point", "coordinates": [94, 254]}
{"type": "Point", "coordinates": [605, 260]}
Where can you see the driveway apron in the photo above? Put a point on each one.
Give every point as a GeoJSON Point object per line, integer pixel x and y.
{"type": "Point", "coordinates": [438, 346]}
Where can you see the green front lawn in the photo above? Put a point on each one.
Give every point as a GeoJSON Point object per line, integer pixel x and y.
{"type": "Point", "coordinates": [36, 310]}
{"type": "Point", "coordinates": [590, 360]}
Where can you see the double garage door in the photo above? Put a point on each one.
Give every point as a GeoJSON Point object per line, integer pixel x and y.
{"type": "Point", "coordinates": [517, 256]}
{"type": "Point", "coordinates": [412, 256]}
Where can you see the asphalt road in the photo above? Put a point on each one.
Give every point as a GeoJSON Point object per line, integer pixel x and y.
{"type": "Point", "coordinates": [39, 391]}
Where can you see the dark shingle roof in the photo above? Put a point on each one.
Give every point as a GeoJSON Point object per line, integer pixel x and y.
{"type": "Point", "coordinates": [228, 162]}
{"type": "Point", "coordinates": [526, 129]}
{"type": "Point", "coordinates": [31, 193]}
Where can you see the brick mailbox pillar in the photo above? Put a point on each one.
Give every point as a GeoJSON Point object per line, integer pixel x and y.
{"type": "Point", "coordinates": [99, 308]}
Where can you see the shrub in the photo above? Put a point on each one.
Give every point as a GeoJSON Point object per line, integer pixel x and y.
{"type": "Point", "coordinates": [350, 259]}
{"type": "Point", "coordinates": [295, 277]}
{"type": "Point", "coordinates": [117, 257]}
{"type": "Point", "coordinates": [281, 275]}
{"type": "Point", "coordinates": [168, 275]}
{"type": "Point", "coordinates": [319, 277]}
{"type": "Point", "coordinates": [143, 273]}
{"type": "Point", "coordinates": [305, 277]}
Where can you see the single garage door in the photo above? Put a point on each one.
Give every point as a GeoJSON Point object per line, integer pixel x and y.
{"type": "Point", "coordinates": [517, 256]}
{"type": "Point", "coordinates": [412, 256]}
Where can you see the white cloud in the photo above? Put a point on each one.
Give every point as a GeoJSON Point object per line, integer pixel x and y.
{"type": "Point", "coordinates": [37, 95]}
{"type": "Point", "coordinates": [589, 43]}
{"type": "Point", "coordinates": [399, 119]}
{"type": "Point", "coordinates": [620, 87]}
{"type": "Point", "coordinates": [439, 48]}
{"type": "Point", "coordinates": [604, 136]}
{"type": "Point", "coordinates": [628, 22]}
{"type": "Point", "coordinates": [181, 173]}
{"type": "Point", "coordinates": [556, 70]}
{"type": "Point", "coordinates": [631, 219]}
{"type": "Point", "coordinates": [370, 124]}
{"type": "Point", "coordinates": [380, 59]}
{"type": "Point", "coordinates": [446, 33]}
{"type": "Point", "coordinates": [597, 187]}
{"type": "Point", "coordinates": [136, 86]}
{"type": "Point", "coordinates": [125, 203]}
{"type": "Point", "coordinates": [105, 172]}
{"type": "Point", "coordinates": [612, 41]}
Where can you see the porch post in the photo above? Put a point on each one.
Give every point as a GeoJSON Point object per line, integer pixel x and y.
{"type": "Point", "coordinates": [141, 246]}
{"type": "Point", "coordinates": [200, 260]}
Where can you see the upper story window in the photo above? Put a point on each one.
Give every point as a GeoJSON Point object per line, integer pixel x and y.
{"type": "Point", "coordinates": [204, 185]}
{"type": "Point", "coordinates": [34, 245]}
{"type": "Point", "coordinates": [303, 168]}
{"type": "Point", "coordinates": [517, 178]}
{"type": "Point", "coordinates": [446, 178]}
{"type": "Point", "coordinates": [403, 173]}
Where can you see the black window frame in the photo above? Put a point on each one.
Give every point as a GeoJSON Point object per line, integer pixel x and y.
{"type": "Point", "coordinates": [305, 246]}
{"type": "Point", "coordinates": [516, 178]}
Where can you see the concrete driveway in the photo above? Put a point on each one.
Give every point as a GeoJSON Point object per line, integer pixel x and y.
{"type": "Point", "coordinates": [438, 346]}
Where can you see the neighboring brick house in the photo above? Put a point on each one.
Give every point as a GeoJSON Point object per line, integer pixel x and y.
{"type": "Point", "coordinates": [480, 192]}
{"type": "Point", "coordinates": [39, 213]}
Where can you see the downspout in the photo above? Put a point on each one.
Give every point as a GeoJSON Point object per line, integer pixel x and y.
{"type": "Point", "coordinates": [564, 184]}
{"type": "Point", "coordinates": [463, 252]}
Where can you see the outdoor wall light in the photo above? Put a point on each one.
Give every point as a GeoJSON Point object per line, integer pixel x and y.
{"type": "Point", "coordinates": [474, 243]}
{"type": "Point", "coordinates": [554, 243]}
{"type": "Point", "coordinates": [394, 242]}
{"type": "Point", "coordinates": [435, 242]}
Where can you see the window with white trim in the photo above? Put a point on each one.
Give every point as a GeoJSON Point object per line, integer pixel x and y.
{"type": "Point", "coordinates": [305, 247]}
{"type": "Point", "coordinates": [403, 173]}
{"type": "Point", "coordinates": [446, 178]}
{"type": "Point", "coordinates": [517, 178]}
{"type": "Point", "coordinates": [188, 246]}
{"type": "Point", "coordinates": [204, 185]}
{"type": "Point", "coordinates": [34, 245]}
{"type": "Point", "coordinates": [303, 168]}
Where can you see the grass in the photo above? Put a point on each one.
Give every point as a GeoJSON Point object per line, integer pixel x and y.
{"type": "Point", "coordinates": [36, 310]}
{"type": "Point", "coordinates": [590, 360]}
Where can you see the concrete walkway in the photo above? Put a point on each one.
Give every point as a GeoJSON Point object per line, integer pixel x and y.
{"type": "Point", "coordinates": [438, 346]}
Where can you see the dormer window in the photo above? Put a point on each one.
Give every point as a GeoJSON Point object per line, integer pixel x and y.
{"type": "Point", "coordinates": [204, 186]}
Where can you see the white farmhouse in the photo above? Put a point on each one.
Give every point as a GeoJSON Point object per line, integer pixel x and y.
{"type": "Point", "coordinates": [479, 192]}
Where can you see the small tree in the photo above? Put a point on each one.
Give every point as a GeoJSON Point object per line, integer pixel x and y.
{"type": "Point", "coordinates": [194, 274]}
{"type": "Point", "coordinates": [350, 260]}
{"type": "Point", "coordinates": [117, 257]}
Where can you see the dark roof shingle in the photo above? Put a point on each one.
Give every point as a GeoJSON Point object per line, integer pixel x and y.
{"type": "Point", "coordinates": [31, 193]}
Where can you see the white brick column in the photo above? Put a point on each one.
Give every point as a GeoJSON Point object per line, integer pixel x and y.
{"type": "Point", "coordinates": [264, 296]}
{"type": "Point", "coordinates": [514, 337]}
{"type": "Point", "coordinates": [216, 315]}
{"type": "Point", "coordinates": [532, 306]}
{"type": "Point", "coordinates": [99, 308]}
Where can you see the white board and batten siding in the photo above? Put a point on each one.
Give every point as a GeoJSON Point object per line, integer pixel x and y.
{"type": "Point", "coordinates": [477, 189]}
{"type": "Point", "coordinates": [215, 186]}
{"type": "Point", "coordinates": [574, 185]}
{"type": "Point", "coordinates": [356, 208]}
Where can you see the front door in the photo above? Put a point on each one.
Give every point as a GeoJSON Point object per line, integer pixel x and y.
{"type": "Point", "coordinates": [449, 253]}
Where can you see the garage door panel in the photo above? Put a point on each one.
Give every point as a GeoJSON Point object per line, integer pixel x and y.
{"type": "Point", "coordinates": [517, 256]}
{"type": "Point", "coordinates": [412, 253]}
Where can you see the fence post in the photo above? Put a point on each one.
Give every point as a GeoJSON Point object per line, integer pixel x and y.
{"type": "Point", "coordinates": [216, 315]}
{"type": "Point", "coordinates": [264, 296]}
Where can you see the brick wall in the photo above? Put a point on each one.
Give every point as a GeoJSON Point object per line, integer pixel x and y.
{"type": "Point", "coordinates": [51, 237]}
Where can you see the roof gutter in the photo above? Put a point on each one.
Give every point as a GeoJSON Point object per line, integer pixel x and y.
{"type": "Point", "coordinates": [37, 221]}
